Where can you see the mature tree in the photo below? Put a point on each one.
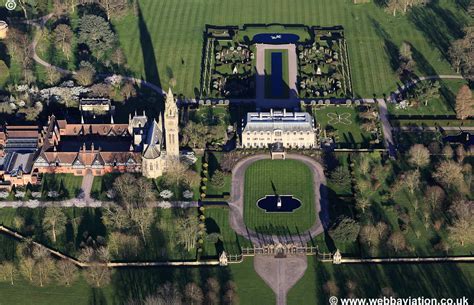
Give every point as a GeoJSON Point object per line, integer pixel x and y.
{"type": "Point", "coordinates": [229, 160]}
{"type": "Point", "coordinates": [95, 32]}
{"type": "Point", "coordinates": [369, 235]}
{"type": "Point", "coordinates": [63, 37]}
{"type": "Point", "coordinates": [133, 197]}
{"type": "Point", "coordinates": [462, 229]}
{"type": "Point", "coordinates": [447, 151]}
{"type": "Point", "coordinates": [118, 57]}
{"type": "Point", "coordinates": [166, 294]}
{"type": "Point", "coordinates": [116, 217]}
{"type": "Point", "coordinates": [44, 266]}
{"type": "Point", "coordinates": [218, 179]}
{"type": "Point", "coordinates": [114, 8]}
{"type": "Point", "coordinates": [97, 274]}
{"type": "Point", "coordinates": [187, 228]}
{"type": "Point", "coordinates": [193, 294]}
{"type": "Point", "coordinates": [66, 272]}
{"type": "Point", "coordinates": [382, 229]}
{"type": "Point", "coordinates": [464, 103]}
{"type": "Point", "coordinates": [85, 76]}
{"type": "Point", "coordinates": [8, 271]}
{"type": "Point", "coordinates": [18, 222]}
{"type": "Point", "coordinates": [19, 48]}
{"type": "Point", "coordinates": [426, 91]}
{"type": "Point", "coordinates": [128, 90]}
{"type": "Point", "coordinates": [177, 172]}
{"type": "Point", "coordinates": [52, 76]}
{"type": "Point", "coordinates": [461, 54]}
{"type": "Point", "coordinates": [449, 174]}
{"type": "Point", "coordinates": [331, 288]}
{"type": "Point", "coordinates": [460, 153]}
{"type": "Point", "coordinates": [54, 222]}
{"type": "Point", "coordinates": [362, 203]}
{"type": "Point", "coordinates": [192, 178]}
{"type": "Point", "coordinates": [434, 196]}
{"type": "Point", "coordinates": [397, 241]}
{"type": "Point", "coordinates": [407, 64]}
{"type": "Point", "coordinates": [411, 180]}
{"type": "Point", "coordinates": [340, 176]}
{"type": "Point", "coordinates": [142, 219]}
{"type": "Point", "coordinates": [194, 135]}
{"type": "Point", "coordinates": [345, 230]}
{"type": "Point", "coordinates": [419, 156]}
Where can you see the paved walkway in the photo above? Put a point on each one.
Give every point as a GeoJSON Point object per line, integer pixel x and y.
{"type": "Point", "coordinates": [237, 202]}
{"type": "Point", "coordinates": [86, 186]}
{"type": "Point", "coordinates": [386, 127]}
{"type": "Point", "coordinates": [92, 203]}
{"type": "Point", "coordinates": [414, 81]}
{"type": "Point", "coordinates": [280, 273]}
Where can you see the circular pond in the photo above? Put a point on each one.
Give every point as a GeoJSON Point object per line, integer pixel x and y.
{"type": "Point", "coordinates": [277, 203]}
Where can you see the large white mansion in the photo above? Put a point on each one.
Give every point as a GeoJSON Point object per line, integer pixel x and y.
{"type": "Point", "coordinates": [292, 129]}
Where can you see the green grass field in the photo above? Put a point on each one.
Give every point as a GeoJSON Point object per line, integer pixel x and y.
{"type": "Point", "coordinates": [170, 33]}
{"type": "Point", "coordinates": [415, 280]}
{"type": "Point", "coordinates": [348, 131]}
{"type": "Point", "coordinates": [138, 283]}
{"type": "Point", "coordinates": [269, 71]}
{"type": "Point", "coordinates": [289, 177]}
{"type": "Point", "coordinates": [217, 221]}
{"type": "Point", "coordinates": [67, 185]}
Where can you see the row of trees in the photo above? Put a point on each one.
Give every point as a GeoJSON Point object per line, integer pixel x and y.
{"type": "Point", "coordinates": [36, 265]}
{"type": "Point", "coordinates": [192, 294]}
{"type": "Point", "coordinates": [428, 202]}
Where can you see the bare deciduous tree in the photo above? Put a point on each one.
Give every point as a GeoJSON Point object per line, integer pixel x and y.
{"type": "Point", "coordinates": [419, 156]}
{"type": "Point", "coordinates": [66, 272]}
{"type": "Point", "coordinates": [193, 294]}
{"type": "Point", "coordinates": [397, 241]}
{"type": "Point", "coordinates": [54, 222]}
{"type": "Point", "coordinates": [8, 272]}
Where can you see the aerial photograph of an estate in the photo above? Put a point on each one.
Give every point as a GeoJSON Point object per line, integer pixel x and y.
{"type": "Point", "coordinates": [226, 152]}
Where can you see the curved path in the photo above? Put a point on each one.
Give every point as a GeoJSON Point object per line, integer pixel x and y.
{"type": "Point", "coordinates": [236, 203]}
{"type": "Point", "coordinates": [39, 24]}
{"type": "Point", "coordinates": [414, 81]}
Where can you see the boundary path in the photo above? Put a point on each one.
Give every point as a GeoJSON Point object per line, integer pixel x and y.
{"type": "Point", "coordinates": [236, 203]}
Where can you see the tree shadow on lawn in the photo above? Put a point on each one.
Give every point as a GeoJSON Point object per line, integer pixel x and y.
{"type": "Point", "coordinates": [390, 47]}
{"type": "Point", "coordinates": [148, 51]}
{"type": "Point", "coordinates": [440, 26]}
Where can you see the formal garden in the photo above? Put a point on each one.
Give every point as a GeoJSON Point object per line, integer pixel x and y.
{"type": "Point", "coordinates": [349, 126]}
{"type": "Point", "coordinates": [229, 61]}
{"type": "Point", "coordinates": [323, 65]}
{"type": "Point", "coordinates": [279, 177]}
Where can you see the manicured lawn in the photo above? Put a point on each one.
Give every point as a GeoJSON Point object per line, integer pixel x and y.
{"type": "Point", "coordinates": [171, 33]}
{"type": "Point", "coordinates": [443, 105]}
{"type": "Point", "coordinates": [67, 185]}
{"type": "Point", "coordinates": [415, 280]}
{"type": "Point", "coordinates": [345, 121]}
{"type": "Point", "coordinates": [276, 74]}
{"type": "Point", "coordinates": [217, 221]}
{"type": "Point", "coordinates": [289, 177]}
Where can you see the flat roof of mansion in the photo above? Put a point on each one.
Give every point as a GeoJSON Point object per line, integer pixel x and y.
{"type": "Point", "coordinates": [274, 120]}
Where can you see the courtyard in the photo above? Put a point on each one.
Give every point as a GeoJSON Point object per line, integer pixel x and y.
{"type": "Point", "coordinates": [284, 177]}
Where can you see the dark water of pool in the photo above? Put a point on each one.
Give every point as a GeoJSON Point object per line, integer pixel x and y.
{"type": "Point", "coordinates": [275, 38]}
{"type": "Point", "coordinates": [269, 203]}
{"type": "Point", "coordinates": [277, 82]}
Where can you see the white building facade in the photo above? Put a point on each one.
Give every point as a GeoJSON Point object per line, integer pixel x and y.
{"type": "Point", "coordinates": [292, 129]}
